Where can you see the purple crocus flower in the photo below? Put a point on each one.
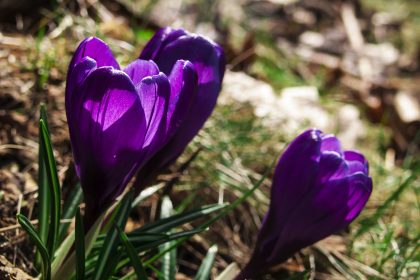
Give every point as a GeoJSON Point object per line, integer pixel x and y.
{"type": "Point", "coordinates": [118, 119]}
{"type": "Point", "coordinates": [317, 190]}
{"type": "Point", "coordinates": [165, 48]}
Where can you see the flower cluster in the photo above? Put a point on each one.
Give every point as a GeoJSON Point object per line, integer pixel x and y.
{"type": "Point", "coordinates": [139, 120]}
{"type": "Point", "coordinates": [123, 119]}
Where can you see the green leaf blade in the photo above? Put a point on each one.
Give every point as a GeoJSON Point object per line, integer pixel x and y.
{"type": "Point", "coordinates": [134, 258]}
{"type": "Point", "coordinates": [107, 256]}
{"type": "Point", "coordinates": [54, 187]}
{"type": "Point", "coordinates": [168, 267]}
{"type": "Point", "coordinates": [30, 230]}
{"type": "Point", "coordinates": [43, 192]}
{"type": "Point", "coordinates": [70, 209]}
{"type": "Point", "coordinates": [80, 247]}
{"type": "Point", "coordinates": [205, 267]}
{"type": "Point", "coordinates": [166, 224]}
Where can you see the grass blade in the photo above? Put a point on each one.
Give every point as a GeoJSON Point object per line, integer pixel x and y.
{"type": "Point", "coordinates": [30, 230]}
{"type": "Point", "coordinates": [229, 273]}
{"type": "Point", "coordinates": [202, 227]}
{"type": "Point", "coordinates": [205, 267]}
{"type": "Point", "coordinates": [367, 223]}
{"type": "Point", "coordinates": [164, 225]}
{"type": "Point", "coordinates": [104, 266]}
{"type": "Point", "coordinates": [54, 188]}
{"type": "Point", "coordinates": [80, 247]}
{"type": "Point", "coordinates": [157, 230]}
{"type": "Point", "coordinates": [70, 209]}
{"type": "Point", "coordinates": [173, 237]}
{"type": "Point", "coordinates": [168, 267]}
{"type": "Point", "coordinates": [134, 258]}
{"type": "Point", "coordinates": [43, 192]}
{"type": "Point", "coordinates": [63, 266]}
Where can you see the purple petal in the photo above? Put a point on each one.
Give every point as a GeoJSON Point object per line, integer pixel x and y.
{"type": "Point", "coordinates": [356, 161]}
{"type": "Point", "coordinates": [328, 210]}
{"type": "Point", "coordinates": [108, 137]}
{"type": "Point", "coordinates": [166, 48]}
{"type": "Point", "coordinates": [356, 166]}
{"type": "Point", "coordinates": [331, 166]}
{"type": "Point", "coordinates": [74, 80]}
{"type": "Point", "coordinates": [207, 57]}
{"type": "Point", "coordinates": [96, 49]}
{"type": "Point", "coordinates": [330, 143]}
{"type": "Point", "coordinates": [139, 69]}
{"type": "Point", "coordinates": [293, 179]}
{"type": "Point", "coordinates": [297, 169]}
{"type": "Point", "coordinates": [361, 189]}
{"type": "Point", "coordinates": [154, 94]}
{"type": "Point", "coordinates": [159, 40]}
{"type": "Point", "coordinates": [183, 79]}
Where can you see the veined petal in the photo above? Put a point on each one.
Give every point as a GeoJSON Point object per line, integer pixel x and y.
{"type": "Point", "coordinates": [183, 79]}
{"type": "Point", "coordinates": [74, 81]}
{"type": "Point", "coordinates": [297, 169]}
{"type": "Point", "coordinates": [80, 71]}
{"type": "Point", "coordinates": [356, 162]}
{"type": "Point", "coordinates": [159, 40]}
{"type": "Point", "coordinates": [96, 49]}
{"type": "Point", "coordinates": [293, 179]}
{"type": "Point", "coordinates": [330, 143]}
{"type": "Point", "coordinates": [139, 69]}
{"type": "Point", "coordinates": [331, 166]}
{"type": "Point", "coordinates": [360, 190]}
{"type": "Point", "coordinates": [109, 135]}
{"type": "Point", "coordinates": [154, 94]}
{"type": "Point", "coordinates": [166, 48]}
{"type": "Point", "coordinates": [316, 217]}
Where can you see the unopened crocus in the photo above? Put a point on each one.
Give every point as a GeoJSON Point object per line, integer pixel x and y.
{"type": "Point", "coordinates": [119, 118]}
{"type": "Point", "coordinates": [318, 189]}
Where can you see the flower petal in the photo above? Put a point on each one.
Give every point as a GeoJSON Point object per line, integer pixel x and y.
{"type": "Point", "coordinates": [361, 188]}
{"type": "Point", "coordinates": [96, 49]}
{"type": "Point", "coordinates": [139, 69]}
{"type": "Point", "coordinates": [183, 79]}
{"type": "Point", "coordinates": [159, 40]}
{"type": "Point", "coordinates": [166, 48]}
{"type": "Point", "coordinates": [154, 94]}
{"type": "Point", "coordinates": [108, 137]}
{"type": "Point", "coordinates": [293, 179]}
{"type": "Point", "coordinates": [74, 80]}
{"type": "Point", "coordinates": [330, 143]}
{"type": "Point", "coordinates": [297, 169]}
{"type": "Point", "coordinates": [333, 207]}
{"type": "Point", "coordinates": [331, 166]}
{"type": "Point", "coordinates": [356, 161]}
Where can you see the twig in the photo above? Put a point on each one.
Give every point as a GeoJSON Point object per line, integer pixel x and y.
{"type": "Point", "coordinates": [357, 42]}
{"type": "Point", "coordinates": [352, 26]}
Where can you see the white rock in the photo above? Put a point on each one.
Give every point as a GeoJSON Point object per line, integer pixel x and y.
{"type": "Point", "coordinates": [407, 106]}
{"type": "Point", "coordinates": [350, 126]}
{"type": "Point", "coordinates": [294, 109]}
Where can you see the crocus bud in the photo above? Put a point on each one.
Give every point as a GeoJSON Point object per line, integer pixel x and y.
{"type": "Point", "coordinates": [317, 190]}
{"type": "Point", "coordinates": [166, 48]}
{"type": "Point", "coordinates": [118, 118]}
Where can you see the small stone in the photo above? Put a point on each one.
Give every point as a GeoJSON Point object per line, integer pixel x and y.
{"type": "Point", "coordinates": [407, 106]}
